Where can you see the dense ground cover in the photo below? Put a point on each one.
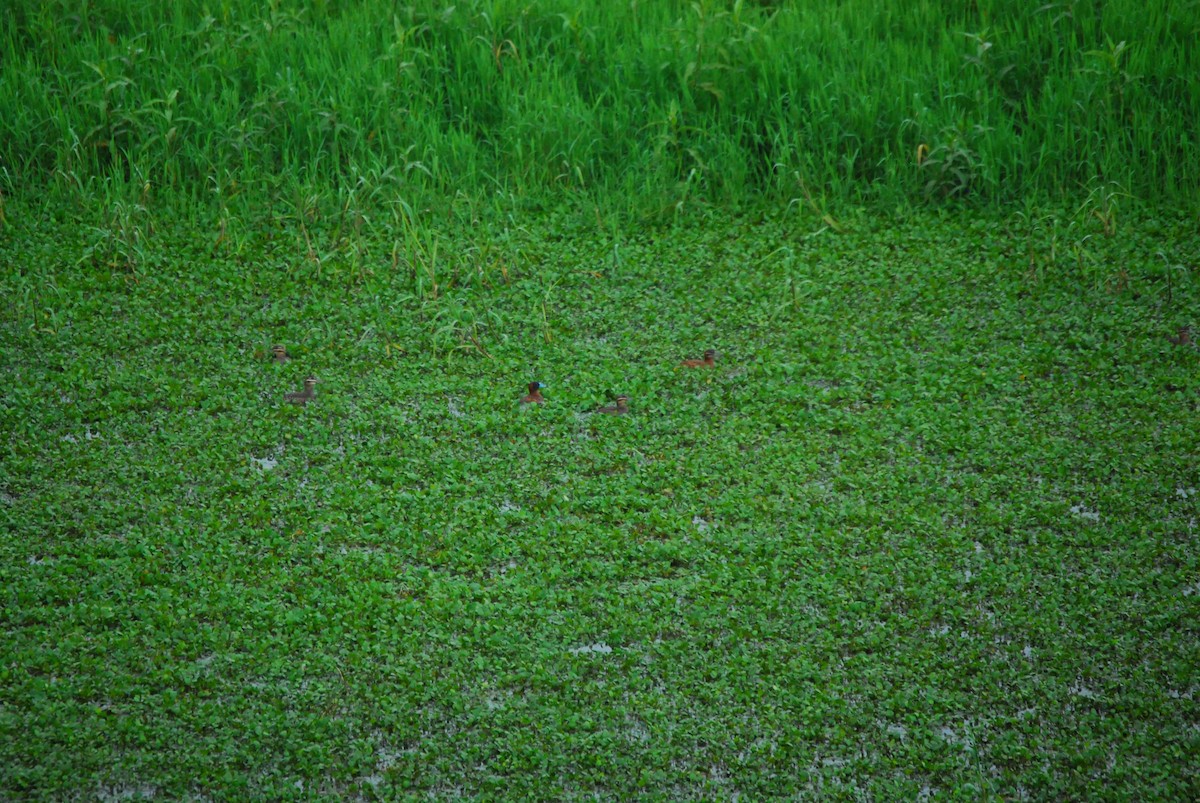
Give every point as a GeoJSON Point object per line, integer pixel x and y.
{"type": "Point", "coordinates": [928, 528]}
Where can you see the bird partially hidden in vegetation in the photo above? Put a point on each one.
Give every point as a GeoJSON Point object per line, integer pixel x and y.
{"type": "Point", "coordinates": [710, 360]}
{"type": "Point", "coordinates": [620, 407]}
{"type": "Point", "coordinates": [535, 394]}
{"type": "Point", "coordinates": [1184, 338]}
{"type": "Point", "coordinates": [280, 353]}
{"type": "Point", "coordinates": [303, 397]}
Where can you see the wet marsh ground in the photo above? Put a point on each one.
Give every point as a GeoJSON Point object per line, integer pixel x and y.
{"type": "Point", "coordinates": [928, 527]}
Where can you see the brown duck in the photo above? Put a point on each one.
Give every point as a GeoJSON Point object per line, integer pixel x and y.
{"type": "Point", "coordinates": [620, 406]}
{"type": "Point", "coordinates": [303, 397]}
{"type": "Point", "coordinates": [280, 353]}
{"type": "Point", "coordinates": [535, 394]}
{"type": "Point", "coordinates": [710, 360]}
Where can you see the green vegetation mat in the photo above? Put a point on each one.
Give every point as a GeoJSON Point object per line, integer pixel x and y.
{"type": "Point", "coordinates": [927, 528]}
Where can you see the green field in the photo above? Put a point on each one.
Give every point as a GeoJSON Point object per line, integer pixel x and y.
{"type": "Point", "coordinates": [927, 529]}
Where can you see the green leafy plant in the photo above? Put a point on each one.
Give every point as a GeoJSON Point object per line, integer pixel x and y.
{"type": "Point", "coordinates": [924, 522]}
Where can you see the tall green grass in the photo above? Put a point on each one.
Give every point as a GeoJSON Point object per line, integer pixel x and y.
{"type": "Point", "coordinates": [653, 104]}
